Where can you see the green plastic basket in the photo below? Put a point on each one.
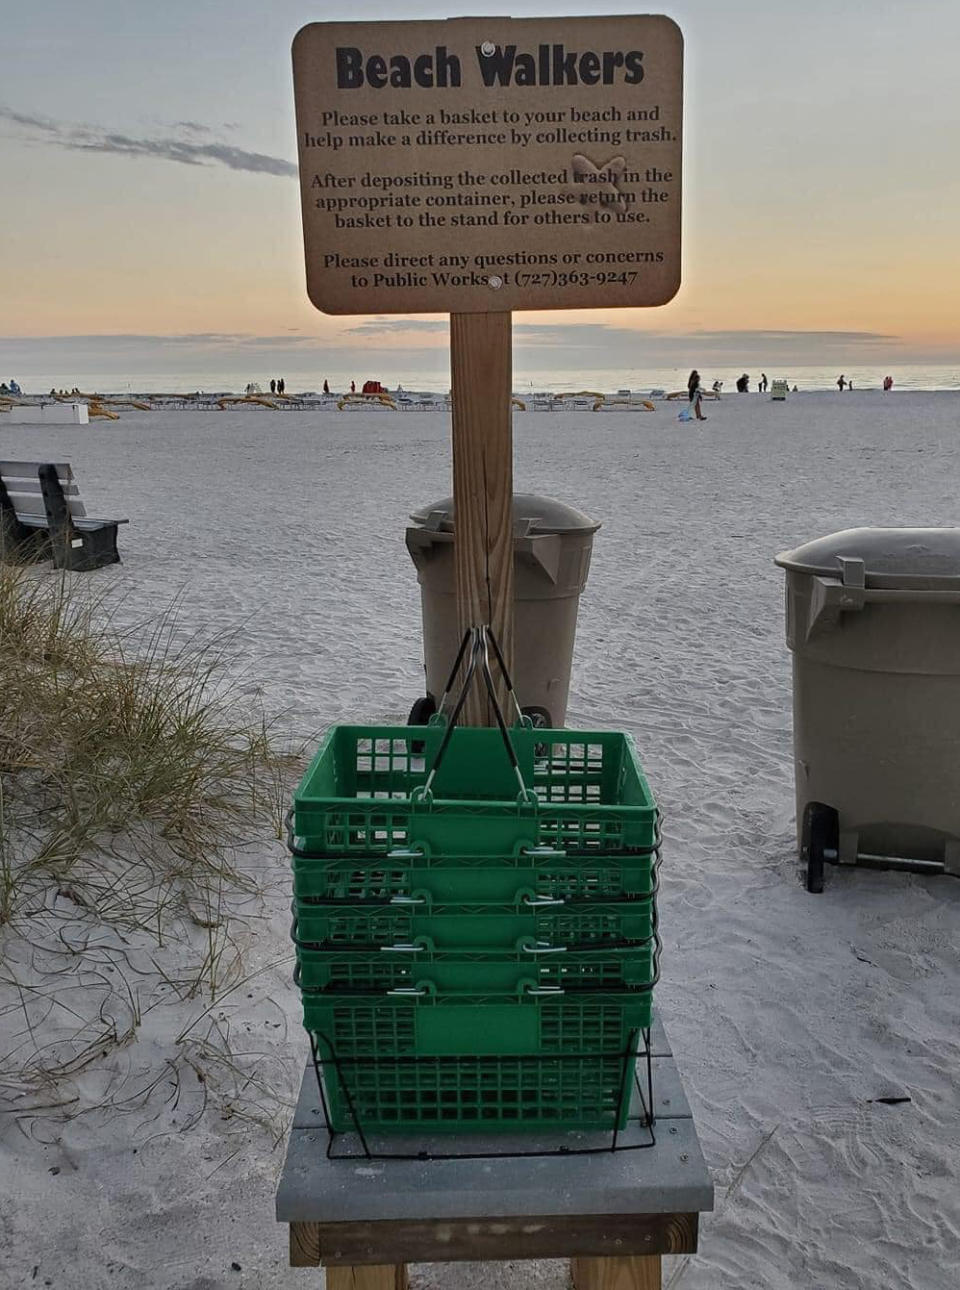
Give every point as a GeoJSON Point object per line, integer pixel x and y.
{"type": "Point", "coordinates": [331, 925]}
{"type": "Point", "coordinates": [446, 1063]}
{"type": "Point", "coordinates": [459, 1095]}
{"type": "Point", "coordinates": [364, 795]}
{"type": "Point", "coordinates": [420, 966]}
{"type": "Point", "coordinates": [408, 874]}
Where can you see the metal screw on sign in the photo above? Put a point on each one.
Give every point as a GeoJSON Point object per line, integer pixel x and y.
{"type": "Point", "coordinates": [488, 49]}
{"type": "Point", "coordinates": [495, 281]}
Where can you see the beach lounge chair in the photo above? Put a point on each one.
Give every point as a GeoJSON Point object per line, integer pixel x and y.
{"type": "Point", "coordinates": [42, 516]}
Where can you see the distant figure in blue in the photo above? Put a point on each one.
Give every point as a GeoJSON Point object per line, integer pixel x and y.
{"type": "Point", "coordinates": [14, 387]}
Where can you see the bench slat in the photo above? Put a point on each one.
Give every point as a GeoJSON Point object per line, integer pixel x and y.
{"type": "Point", "coordinates": [40, 522]}
{"type": "Point", "coordinates": [32, 504]}
{"type": "Point", "coordinates": [28, 469]}
{"type": "Point", "coordinates": [15, 485]}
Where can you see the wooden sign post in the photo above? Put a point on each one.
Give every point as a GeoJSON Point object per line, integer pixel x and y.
{"type": "Point", "coordinates": [481, 369]}
{"type": "Point", "coordinates": [475, 166]}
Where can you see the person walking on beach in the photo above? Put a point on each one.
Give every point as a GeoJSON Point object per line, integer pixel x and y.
{"type": "Point", "coordinates": [695, 394]}
{"type": "Point", "coordinates": [841, 382]}
{"type": "Point", "coordinates": [762, 387]}
{"type": "Point", "coordinates": [281, 386]}
{"type": "Point", "coordinates": [887, 384]}
{"type": "Point", "coordinates": [326, 387]}
{"type": "Point", "coordinates": [273, 387]}
{"type": "Point", "coordinates": [353, 387]}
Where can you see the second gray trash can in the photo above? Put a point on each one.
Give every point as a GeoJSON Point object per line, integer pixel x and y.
{"type": "Point", "coordinates": [873, 621]}
{"type": "Point", "coordinates": [552, 544]}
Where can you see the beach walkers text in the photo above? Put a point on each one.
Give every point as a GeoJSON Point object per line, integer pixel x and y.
{"type": "Point", "coordinates": [499, 65]}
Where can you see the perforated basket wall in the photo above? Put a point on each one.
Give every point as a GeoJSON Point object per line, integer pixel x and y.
{"type": "Point", "coordinates": [359, 795]}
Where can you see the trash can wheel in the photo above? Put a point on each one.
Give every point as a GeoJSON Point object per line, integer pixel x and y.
{"type": "Point", "coordinates": [819, 842]}
{"type": "Point", "coordinates": [422, 710]}
{"type": "Point", "coordinates": [540, 718]}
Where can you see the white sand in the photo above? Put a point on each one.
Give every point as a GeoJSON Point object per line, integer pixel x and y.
{"type": "Point", "coordinates": [788, 1013]}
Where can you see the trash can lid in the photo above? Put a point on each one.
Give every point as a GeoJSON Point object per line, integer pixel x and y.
{"type": "Point", "coordinates": [531, 514]}
{"type": "Point", "coordinates": [925, 559]}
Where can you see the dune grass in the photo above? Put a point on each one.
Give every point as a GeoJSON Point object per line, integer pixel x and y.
{"type": "Point", "coordinates": [107, 747]}
{"type": "Point", "coordinates": [139, 797]}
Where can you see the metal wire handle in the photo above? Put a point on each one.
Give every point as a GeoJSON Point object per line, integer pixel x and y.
{"type": "Point", "coordinates": [478, 638]}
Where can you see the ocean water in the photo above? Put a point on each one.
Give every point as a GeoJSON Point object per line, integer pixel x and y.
{"type": "Point", "coordinates": [526, 379]}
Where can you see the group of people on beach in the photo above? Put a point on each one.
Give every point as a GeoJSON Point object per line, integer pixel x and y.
{"type": "Point", "coordinates": [10, 387]}
{"type": "Point", "coordinates": [843, 383]}
{"type": "Point", "coordinates": [278, 386]}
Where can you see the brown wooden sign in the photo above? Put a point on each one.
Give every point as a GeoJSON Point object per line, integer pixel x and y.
{"type": "Point", "coordinates": [490, 164]}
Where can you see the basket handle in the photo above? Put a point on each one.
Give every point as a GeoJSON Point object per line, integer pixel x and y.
{"type": "Point", "coordinates": [468, 642]}
{"type": "Point", "coordinates": [478, 639]}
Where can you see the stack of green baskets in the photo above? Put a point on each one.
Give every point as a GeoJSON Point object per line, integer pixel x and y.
{"type": "Point", "coordinates": [473, 957]}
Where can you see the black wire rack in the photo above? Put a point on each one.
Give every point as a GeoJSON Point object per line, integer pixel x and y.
{"type": "Point", "coordinates": [633, 1131]}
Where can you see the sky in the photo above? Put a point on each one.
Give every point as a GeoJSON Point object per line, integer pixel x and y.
{"type": "Point", "coordinates": [150, 209]}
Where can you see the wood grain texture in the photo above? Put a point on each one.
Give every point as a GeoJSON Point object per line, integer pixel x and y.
{"type": "Point", "coordinates": [305, 1253]}
{"type": "Point", "coordinates": [378, 1276]}
{"type": "Point", "coordinates": [304, 1245]}
{"type": "Point", "coordinates": [641, 1272]}
{"type": "Point", "coordinates": [457, 1240]}
{"type": "Point", "coordinates": [482, 371]}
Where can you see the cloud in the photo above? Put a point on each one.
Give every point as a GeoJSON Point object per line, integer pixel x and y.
{"type": "Point", "coordinates": [632, 345]}
{"type": "Point", "coordinates": [142, 342]}
{"type": "Point", "coordinates": [602, 334]}
{"type": "Point", "coordinates": [603, 345]}
{"type": "Point", "coordinates": [388, 326]}
{"type": "Point", "coordinates": [87, 138]}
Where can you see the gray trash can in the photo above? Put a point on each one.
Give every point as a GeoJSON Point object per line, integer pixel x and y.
{"type": "Point", "coordinates": [552, 543]}
{"type": "Point", "coordinates": [873, 620]}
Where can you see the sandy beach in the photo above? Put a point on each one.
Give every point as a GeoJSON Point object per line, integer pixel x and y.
{"type": "Point", "coordinates": [789, 1015]}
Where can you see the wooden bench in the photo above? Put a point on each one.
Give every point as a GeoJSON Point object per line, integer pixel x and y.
{"type": "Point", "coordinates": [42, 516]}
{"type": "Point", "coordinates": [613, 1213]}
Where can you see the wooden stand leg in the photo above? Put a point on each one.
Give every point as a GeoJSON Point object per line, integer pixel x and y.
{"type": "Point", "coordinates": [305, 1253]}
{"type": "Point", "coordinates": [376, 1276]}
{"type": "Point", "coordinates": [481, 370]}
{"type": "Point", "coordinates": [638, 1272]}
